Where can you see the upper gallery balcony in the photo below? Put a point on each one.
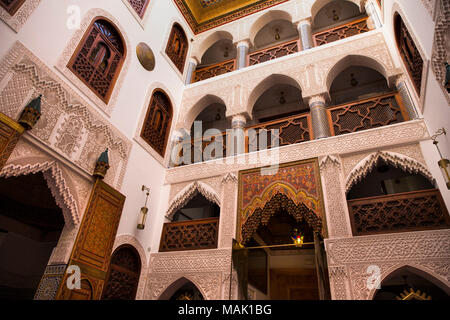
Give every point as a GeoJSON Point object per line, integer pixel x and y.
{"type": "Point", "coordinates": [279, 37]}
{"type": "Point", "coordinates": [359, 99]}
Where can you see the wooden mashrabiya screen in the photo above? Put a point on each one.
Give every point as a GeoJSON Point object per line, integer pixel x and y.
{"type": "Point", "coordinates": [295, 187]}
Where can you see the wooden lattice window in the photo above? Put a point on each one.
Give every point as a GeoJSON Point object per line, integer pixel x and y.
{"type": "Point", "coordinates": [157, 122]}
{"type": "Point", "coordinates": [139, 6]}
{"type": "Point", "coordinates": [177, 47]}
{"type": "Point", "coordinates": [11, 5]}
{"type": "Point", "coordinates": [123, 275]}
{"type": "Point", "coordinates": [99, 57]}
{"type": "Point", "coordinates": [408, 51]}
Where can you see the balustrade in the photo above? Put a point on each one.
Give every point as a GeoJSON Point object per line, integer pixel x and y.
{"type": "Point", "coordinates": [214, 70]}
{"type": "Point", "coordinates": [274, 52]}
{"type": "Point", "coordinates": [341, 32]}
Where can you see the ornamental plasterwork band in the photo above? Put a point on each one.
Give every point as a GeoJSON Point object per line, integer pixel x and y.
{"type": "Point", "coordinates": [205, 268]}
{"type": "Point", "coordinates": [428, 251]}
{"type": "Point", "coordinates": [69, 126]}
{"type": "Point", "coordinates": [311, 73]}
{"type": "Point", "coordinates": [379, 138]}
{"type": "Point", "coordinates": [16, 21]}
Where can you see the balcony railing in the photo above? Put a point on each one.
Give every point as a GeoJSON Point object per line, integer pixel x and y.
{"type": "Point", "coordinates": [366, 114]}
{"type": "Point", "coordinates": [409, 211]}
{"type": "Point", "coordinates": [274, 52]}
{"type": "Point", "coordinates": [351, 117]}
{"type": "Point", "coordinates": [214, 70]}
{"type": "Point", "coordinates": [291, 130]}
{"type": "Point", "coordinates": [190, 235]}
{"type": "Point", "coordinates": [341, 32]}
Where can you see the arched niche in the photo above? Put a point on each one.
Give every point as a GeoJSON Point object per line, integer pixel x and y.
{"type": "Point", "coordinates": [327, 14]}
{"type": "Point", "coordinates": [217, 48]}
{"type": "Point", "coordinates": [411, 283]}
{"type": "Point", "coordinates": [268, 19]}
{"type": "Point", "coordinates": [182, 289]}
{"type": "Point", "coordinates": [275, 81]}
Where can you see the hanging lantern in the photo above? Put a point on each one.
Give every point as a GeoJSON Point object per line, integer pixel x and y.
{"type": "Point", "coordinates": [298, 238]}
{"type": "Point", "coordinates": [277, 34]}
{"type": "Point", "coordinates": [102, 165]}
{"type": "Point", "coordinates": [444, 164]}
{"type": "Point", "coordinates": [31, 113]}
{"type": "Point", "coordinates": [144, 210]}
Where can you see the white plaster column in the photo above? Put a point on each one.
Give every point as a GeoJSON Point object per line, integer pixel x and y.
{"type": "Point", "coordinates": [242, 52]}
{"type": "Point", "coordinates": [237, 142]}
{"type": "Point", "coordinates": [227, 224]}
{"type": "Point", "coordinates": [305, 32]}
{"type": "Point", "coordinates": [192, 65]}
{"type": "Point", "coordinates": [319, 119]}
{"type": "Point", "coordinates": [373, 14]}
{"type": "Point", "coordinates": [403, 90]}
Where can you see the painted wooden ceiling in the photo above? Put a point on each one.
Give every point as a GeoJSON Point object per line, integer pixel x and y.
{"type": "Point", "coordinates": [203, 15]}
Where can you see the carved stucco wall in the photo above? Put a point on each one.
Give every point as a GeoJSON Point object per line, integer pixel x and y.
{"type": "Point", "coordinates": [349, 259]}
{"type": "Point", "coordinates": [21, 16]}
{"type": "Point", "coordinates": [207, 269]}
{"type": "Point", "coordinates": [69, 125]}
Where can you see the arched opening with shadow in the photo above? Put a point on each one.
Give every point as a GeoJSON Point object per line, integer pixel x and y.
{"type": "Point", "coordinates": [273, 36]}
{"type": "Point", "coordinates": [30, 227]}
{"type": "Point", "coordinates": [336, 20]}
{"type": "Point", "coordinates": [409, 283]}
{"type": "Point", "coordinates": [123, 274]}
{"type": "Point", "coordinates": [194, 226]}
{"type": "Point", "coordinates": [279, 270]}
{"type": "Point", "coordinates": [219, 57]}
{"type": "Point", "coordinates": [182, 289]}
{"type": "Point", "coordinates": [277, 104]}
{"type": "Point", "coordinates": [390, 199]}
{"type": "Point", "coordinates": [361, 96]}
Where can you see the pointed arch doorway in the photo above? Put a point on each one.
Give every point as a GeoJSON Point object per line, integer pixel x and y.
{"type": "Point", "coordinates": [30, 227]}
{"type": "Point", "coordinates": [273, 209]}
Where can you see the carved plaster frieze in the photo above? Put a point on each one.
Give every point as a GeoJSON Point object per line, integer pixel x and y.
{"type": "Point", "coordinates": [16, 21]}
{"type": "Point", "coordinates": [351, 260]}
{"type": "Point", "coordinates": [69, 125]}
{"type": "Point", "coordinates": [188, 193]}
{"type": "Point", "coordinates": [395, 159]}
{"type": "Point", "coordinates": [379, 138]}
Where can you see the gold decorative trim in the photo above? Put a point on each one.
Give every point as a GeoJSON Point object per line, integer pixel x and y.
{"type": "Point", "coordinates": [11, 123]}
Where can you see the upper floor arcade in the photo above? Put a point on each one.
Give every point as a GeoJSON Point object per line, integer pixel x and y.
{"type": "Point", "coordinates": [286, 29]}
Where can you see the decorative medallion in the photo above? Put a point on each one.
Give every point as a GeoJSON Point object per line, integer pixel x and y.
{"type": "Point", "coordinates": [145, 56]}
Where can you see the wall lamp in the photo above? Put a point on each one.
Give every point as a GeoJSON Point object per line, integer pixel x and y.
{"type": "Point", "coordinates": [444, 164]}
{"type": "Point", "coordinates": [144, 210]}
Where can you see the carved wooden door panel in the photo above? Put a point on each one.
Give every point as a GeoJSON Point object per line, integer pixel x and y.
{"type": "Point", "coordinates": [93, 246]}
{"type": "Point", "coordinates": [123, 275]}
{"type": "Point", "coordinates": [10, 132]}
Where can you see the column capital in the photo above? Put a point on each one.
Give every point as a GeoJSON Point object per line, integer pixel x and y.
{"type": "Point", "coordinates": [194, 60]}
{"type": "Point", "coordinates": [238, 121]}
{"type": "Point", "coordinates": [307, 21]}
{"type": "Point", "coordinates": [243, 43]}
{"type": "Point", "coordinates": [317, 99]}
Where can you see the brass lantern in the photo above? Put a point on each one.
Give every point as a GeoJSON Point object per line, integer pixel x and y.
{"type": "Point", "coordinates": [31, 113]}
{"type": "Point", "coordinates": [144, 210]}
{"type": "Point", "coordinates": [444, 163]}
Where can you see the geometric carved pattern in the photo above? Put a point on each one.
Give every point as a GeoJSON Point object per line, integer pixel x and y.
{"type": "Point", "coordinates": [275, 52]}
{"type": "Point", "coordinates": [177, 47]}
{"type": "Point", "coordinates": [409, 52]}
{"type": "Point", "coordinates": [341, 32]}
{"type": "Point", "coordinates": [156, 128]}
{"type": "Point", "coordinates": [99, 58]}
{"type": "Point", "coordinates": [410, 211]}
{"type": "Point", "coordinates": [362, 115]}
{"type": "Point", "coordinates": [50, 281]}
{"type": "Point", "coordinates": [139, 6]}
{"type": "Point", "coordinates": [190, 235]}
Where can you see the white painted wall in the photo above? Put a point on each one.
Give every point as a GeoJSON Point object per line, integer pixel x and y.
{"type": "Point", "coordinates": [45, 33]}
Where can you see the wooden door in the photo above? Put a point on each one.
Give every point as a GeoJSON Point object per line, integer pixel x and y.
{"type": "Point", "coordinates": [93, 246]}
